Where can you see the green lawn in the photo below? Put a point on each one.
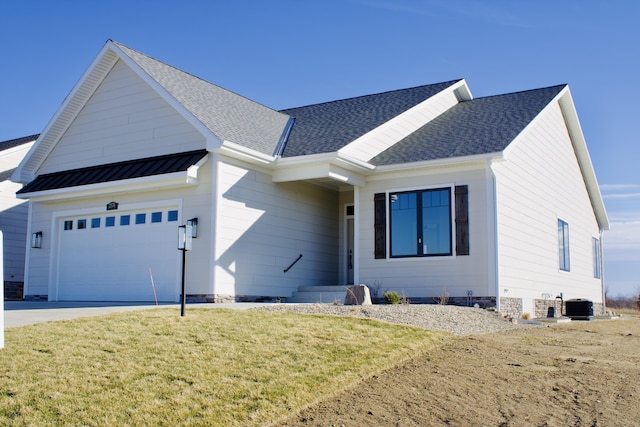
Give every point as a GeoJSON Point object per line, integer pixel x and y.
{"type": "Point", "coordinates": [211, 367]}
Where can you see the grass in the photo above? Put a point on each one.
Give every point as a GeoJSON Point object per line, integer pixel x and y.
{"type": "Point", "coordinates": [211, 367]}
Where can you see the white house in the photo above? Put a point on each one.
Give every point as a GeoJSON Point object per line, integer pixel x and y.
{"type": "Point", "coordinates": [423, 190]}
{"type": "Point", "coordinates": [13, 215]}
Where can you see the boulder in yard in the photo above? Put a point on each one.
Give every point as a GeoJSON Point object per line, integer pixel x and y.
{"type": "Point", "coordinates": [357, 295]}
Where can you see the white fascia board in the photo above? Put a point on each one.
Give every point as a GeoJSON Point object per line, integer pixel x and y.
{"type": "Point", "coordinates": [369, 145]}
{"type": "Point", "coordinates": [66, 113]}
{"type": "Point", "coordinates": [336, 166]}
{"type": "Point", "coordinates": [471, 162]}
{"type": "Point", "coordinates": [336, 158]}
{"type": "Point", "coordinates": [584, 159]}
{"type": "Point", "coordinates": [318, 171]}
{"type": "Point", "coordinates": [154, 182]}
{"type": "Point", "coordinates": [570, 116]}
{"type": "Point", "coordinates": [240, 152]}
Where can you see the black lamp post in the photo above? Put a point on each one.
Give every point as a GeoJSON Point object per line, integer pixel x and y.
{"type": "Point", "coordinates": [184, 244]}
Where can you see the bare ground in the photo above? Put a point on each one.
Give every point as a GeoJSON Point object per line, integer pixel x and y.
{"type": "Point", "coordinates": [576, 374]}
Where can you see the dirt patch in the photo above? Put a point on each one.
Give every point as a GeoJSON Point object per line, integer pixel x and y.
{"type": "Point", "coordinates": [577, 374]}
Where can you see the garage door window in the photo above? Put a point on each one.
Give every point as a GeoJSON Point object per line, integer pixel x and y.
{"type": "Point", "coordinates": [125, 219]}
{"type": "Point", "coordinates": [172, 216]}
{"type": "Point", "coordinates": [156, 217]}
{"type": "Point", "coordinates": [141, 218]}
{"type": "Point", "coordinates": [82, 224]}
{"type": "Point", "coordinates": [95, 222]}
{"type": "Point", "coordinates": [68, 225]}
{"type": "Point", "coordinates": [110, 221]}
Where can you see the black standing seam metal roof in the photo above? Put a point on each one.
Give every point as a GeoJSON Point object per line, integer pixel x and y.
{"type": "Point", "coordinates": [139, 168]}
{"type": "Point", "coordinates": [479, 126]}
{"type": "Point", "coordinates": [327, 127]}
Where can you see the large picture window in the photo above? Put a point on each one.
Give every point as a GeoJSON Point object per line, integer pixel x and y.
{"type": "Point", "coordinates": [563, 245]}
{"type": "Point", "coordinates": [420, 223]}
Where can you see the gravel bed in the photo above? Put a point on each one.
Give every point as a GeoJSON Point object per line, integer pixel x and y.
{"type": "Point", "coordinates": [448, 318]}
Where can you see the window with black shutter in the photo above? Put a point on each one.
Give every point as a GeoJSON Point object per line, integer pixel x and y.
{"type": "Point", "coordinates": [380, 225]}
{"type": "Point", "coordinates": [462, 220]}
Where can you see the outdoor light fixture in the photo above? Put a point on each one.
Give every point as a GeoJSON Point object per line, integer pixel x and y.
{"type": "Point", "coordinates": [36, 240]}
{"type": "Point", "coordinates": [193, 222]}
{"type": "Point", "coordinates": [184, 244]}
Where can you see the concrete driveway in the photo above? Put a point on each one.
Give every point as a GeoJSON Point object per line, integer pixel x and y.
{"type": "Point", "coordinates": [19, 313]}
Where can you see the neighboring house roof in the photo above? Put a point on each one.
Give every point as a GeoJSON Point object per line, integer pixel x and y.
{"type": "Point", "coordinates": [6, 173]}
{"type": "Point", "coordinates": [5, 145]}
{"type": "Point", "coordinates": [327, 127]}
{"type": "Point", "coordinates": [479, 126]}
{"type": "Point", "coordinates": [115, 171]}
{"type": "Point", "coordinates": [229, 116]}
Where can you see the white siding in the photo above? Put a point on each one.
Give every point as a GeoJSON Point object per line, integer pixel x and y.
{"type": "Point", "coordinates": [191, 201]}
{"type": "Point", "coordinates": [539, 183]}
{"type": "Point", "coordinates": [13, 216]}
{"type": "Point", "coordinates": [124, 119]}
{"type": "Point", "coordinates": [429, 276]}
{"type": "Point", "coordinates": [13, 223]}
{"type": "Point", "coordinates": [262, 227]}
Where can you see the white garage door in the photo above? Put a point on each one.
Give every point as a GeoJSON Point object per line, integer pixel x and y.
{"type": "Point", "coordinates": [107, 257]}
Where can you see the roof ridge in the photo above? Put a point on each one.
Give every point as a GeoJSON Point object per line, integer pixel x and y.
{"type": "Point", "coordinates": [448, 83]}
{"type": "Point", "coordinates": [121, 46]}
{"type": "Point", "coordinates": [520, 92]}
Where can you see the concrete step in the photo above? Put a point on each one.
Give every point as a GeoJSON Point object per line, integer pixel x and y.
{"type": "Point", "coordinates": [319, 294]}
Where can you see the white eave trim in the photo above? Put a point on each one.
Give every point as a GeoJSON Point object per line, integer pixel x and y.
{"type": "Point", "coordinates": [336, 166]}
{"type": "Point", "coordinates": [240, 152]}
{"type": "Point", "coordinates": [478, 160]}
{"type": "Point", "coordinates": [163, 181]}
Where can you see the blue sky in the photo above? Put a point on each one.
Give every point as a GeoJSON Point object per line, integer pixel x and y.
{"type": "Point", "coordinates": [291, 53]}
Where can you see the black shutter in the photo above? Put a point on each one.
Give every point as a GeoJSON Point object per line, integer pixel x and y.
{"type": "Point", "coordinates": [462, 220]}
{"type": "Point", "coordinates": [380, 225]}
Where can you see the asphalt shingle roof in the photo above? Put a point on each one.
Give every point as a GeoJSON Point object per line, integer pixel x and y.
{"type": "Point", "coordinates": [327, 127]}
{"type": "Point", "coordinates": [5, 145]}
{"type": "Point", "coordinates": [228, 115]}
{"type": "Point", "coordinates": [115, 171]}
{"type": "Point", "coordinates": [479, 126]}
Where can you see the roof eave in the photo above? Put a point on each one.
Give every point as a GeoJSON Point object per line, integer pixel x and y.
{"type": "Point", "coordinates": [476, 160]}
{"type": "Point", "coordinates": [164, 181]}
{"type": "Point", "coordinates": [584, 159]}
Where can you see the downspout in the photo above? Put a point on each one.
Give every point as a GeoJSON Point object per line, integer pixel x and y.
{"type": "Point", "coordinates": [493, 192]}
{"type": "Point", "coordinates": [604, 300]}
{"type": "Point", "coordinates": [356, 235]}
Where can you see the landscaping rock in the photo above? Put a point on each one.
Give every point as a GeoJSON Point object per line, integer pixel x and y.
{"type": "Point", "coordinates": [357, 295]}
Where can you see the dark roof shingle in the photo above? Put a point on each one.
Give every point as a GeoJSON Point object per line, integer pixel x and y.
{"type": "Point", "coordinates": [5, 145]}
{"type": "Point", "coordinates": [327, 127]}
{"type": "Point", "coordinates": [479, 126]}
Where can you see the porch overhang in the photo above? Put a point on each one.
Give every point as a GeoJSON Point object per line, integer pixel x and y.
{"type": "Point", "coordinates": [335, 167]}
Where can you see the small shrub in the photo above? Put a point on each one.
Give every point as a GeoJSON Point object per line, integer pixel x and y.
{"type": "Point", "coordinates": [443, 298]}
{"type": "Point", "coordinates": [391, 297]}
{"type": "Point", "coordinates": [526, 316]}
